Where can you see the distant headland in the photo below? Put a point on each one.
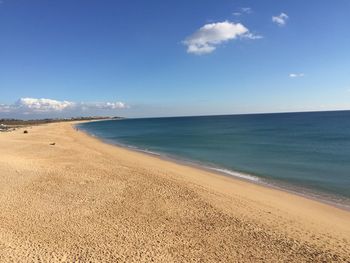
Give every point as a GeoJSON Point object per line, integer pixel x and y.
{"type": "Point", "coordinates": [12, 124]}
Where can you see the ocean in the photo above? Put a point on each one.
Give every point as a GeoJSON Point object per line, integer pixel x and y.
{"type": "Point", "coordinates": [307, 153]}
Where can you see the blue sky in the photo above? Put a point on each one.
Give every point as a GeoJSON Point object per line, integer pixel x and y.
{"type": "Point", "coordinates": [132, 58]}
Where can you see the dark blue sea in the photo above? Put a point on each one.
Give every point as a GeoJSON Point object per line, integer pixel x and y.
{"type": "Point", "coordinates": [308, 153]}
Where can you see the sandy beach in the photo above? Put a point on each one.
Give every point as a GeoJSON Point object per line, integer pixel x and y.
{"type": "Point", "coordinates": [82, 200]}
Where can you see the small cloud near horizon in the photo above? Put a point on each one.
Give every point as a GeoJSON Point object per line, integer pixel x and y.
{"type": "Point", "coordinates": [296, 75]}
{"type": "Point", "coordinates": [35, 106]}
{"type": "Point", "coordinates": [281, 19]}
{"type": "Point", "coordinates": [206, 39]}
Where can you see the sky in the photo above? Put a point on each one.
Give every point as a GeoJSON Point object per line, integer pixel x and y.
{"type": "Point", "coordinates": [172, 58]}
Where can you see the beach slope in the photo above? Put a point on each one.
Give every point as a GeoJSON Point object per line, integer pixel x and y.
{"type": "Point", "coordinates": [81, 200]}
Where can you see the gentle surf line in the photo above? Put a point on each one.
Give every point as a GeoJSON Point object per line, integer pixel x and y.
{"type": "Point", "coordinates": [235, 174]}
{"type": "Point", "coordinates": [307, 193]}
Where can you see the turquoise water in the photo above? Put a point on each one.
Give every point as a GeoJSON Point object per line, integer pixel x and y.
{"type": "Point", "coordinates": [304, 152]}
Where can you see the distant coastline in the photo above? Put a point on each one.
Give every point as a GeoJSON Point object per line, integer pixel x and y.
{"type": "Point", "coordinates": [12, 124]}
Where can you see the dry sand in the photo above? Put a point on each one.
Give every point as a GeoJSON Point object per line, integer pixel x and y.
{"type": "Point", "coordinates": [85, 201]}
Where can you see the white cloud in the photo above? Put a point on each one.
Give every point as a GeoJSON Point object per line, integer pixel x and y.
{"type": "Point", "coordinates": [104, 105]}
{"type": "Point", "coordinates": [296, 75]}
{"type": "Point", "coordinates": [253, 36]}
{"type": "Point", "coordinates": [281, 19]}
{"type": "Point", "coordinates": [247, 10]}
{"type": "Point", "coordinates": [116, 105]}
{"type": "Point", "coordinates": [208, 37]}
{"type": "Point", "coordinates": [42, 105]}
{"type": "Point", "coordinates": [49, 106]}
{"type": "Point", "coordinates": [5, 108]}
{"type": "Point", "coordinates": [243, 10]}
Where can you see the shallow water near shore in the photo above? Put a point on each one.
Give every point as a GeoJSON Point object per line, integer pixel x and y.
{"type": "Point", "coordinates": [308, 153]}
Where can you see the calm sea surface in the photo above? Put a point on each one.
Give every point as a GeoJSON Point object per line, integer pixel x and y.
{"type": "Point", "coordinates": [304, 152]}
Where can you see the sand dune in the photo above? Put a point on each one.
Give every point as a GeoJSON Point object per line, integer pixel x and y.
{"type": "Point", "coordinates": [81, 200]}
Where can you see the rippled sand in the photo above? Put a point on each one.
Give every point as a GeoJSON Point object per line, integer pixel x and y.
{"type": "Point", "coordinates": [81, 200]}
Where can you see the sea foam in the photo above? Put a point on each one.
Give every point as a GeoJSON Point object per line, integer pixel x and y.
{"type": "Point", "coordinates": [236, 174]}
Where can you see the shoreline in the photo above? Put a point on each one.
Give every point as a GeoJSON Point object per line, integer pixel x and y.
{"type": "Point", "coordinates": [307, 193]}
{"type": "Point", "coordinates": [77, 199]}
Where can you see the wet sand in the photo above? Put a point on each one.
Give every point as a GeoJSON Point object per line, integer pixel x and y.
{"type": "Point", "coordinates": [82, 200]}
